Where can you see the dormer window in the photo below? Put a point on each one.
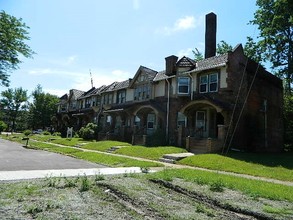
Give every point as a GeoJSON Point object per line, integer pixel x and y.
{"type": "Point", "coordinates": [208, 83]}
{"type": "Point", "coordinates": [183, 85]}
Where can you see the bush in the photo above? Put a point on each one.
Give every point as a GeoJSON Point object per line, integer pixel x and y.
{"type": "Point", "coordinates": [3, 126]}
{"type": "Point", "coordinates": [89, 132]}
{"type": "Point", "coordinates": [46, 133]}
{"type": "Point", "coordinates": [56, 134]}
{"type": "Point", "coordinates": [27, 132]}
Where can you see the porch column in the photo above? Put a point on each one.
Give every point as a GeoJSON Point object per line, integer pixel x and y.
{"type": "Point", "coordinates": [221, 132]}
{"type": "Point", "coordinates": [179, 138]}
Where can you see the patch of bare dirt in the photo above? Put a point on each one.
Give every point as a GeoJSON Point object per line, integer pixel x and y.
{"type": "Point", "coordinates": [129, 197]}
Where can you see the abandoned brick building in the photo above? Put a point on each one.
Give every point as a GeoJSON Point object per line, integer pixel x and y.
{"type": "Point", "coordinates": [225, 100]}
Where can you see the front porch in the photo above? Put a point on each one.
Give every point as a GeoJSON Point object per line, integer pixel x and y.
{"type": "Point", "coordinates": [204, 129]}
{"type": "Point", "coordinates": [203, 146]}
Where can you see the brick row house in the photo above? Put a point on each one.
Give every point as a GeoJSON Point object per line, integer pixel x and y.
{"type": "Point", "coordinates": [225, 100]}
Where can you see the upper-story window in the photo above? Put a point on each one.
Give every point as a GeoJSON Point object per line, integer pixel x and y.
{"type": "Point", "coordinates": [142, 92]}
{"type": "Point", "coordinates": [72, 105]}
{"type": "Point", "coordinates": [108, 98]}
{"type": "Point", "coordinates": [183, 85]}
{"type": "Point", "coordinates": [88, 102]}
{"type": "Point", "coordinates": [208, 83]}
{"type": "Point", "coordinates": [121, 96]}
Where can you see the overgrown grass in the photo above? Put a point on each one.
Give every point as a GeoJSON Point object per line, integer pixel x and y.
{"type": "Point", "coordinates": [104, 145]}
{"type": "Point", "coordinates": [152, 153]}
{"type": "Point", "coordinates": [254, 188]}
{"type": "Point", "coordinates": [70, 141]}
{"type": "Point", "coordinates": [226, 163]}
{"type": "Point", "coordinates": [107, 160]}
{"type": "Point", "coordinates": [114, 161]}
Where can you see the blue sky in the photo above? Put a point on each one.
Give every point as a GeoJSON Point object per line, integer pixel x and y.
{"type": "Point", "coordinates": [113, 38]}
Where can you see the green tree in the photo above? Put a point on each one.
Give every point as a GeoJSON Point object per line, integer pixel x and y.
{"type": "Point", "coordinates": [197, 55]}
{"type": "Point", "coordinates": [3, 126]}
{"type": "Point", "coordinates": [43, 107]}
{"type": "Point", "coordinates": [223, 47]}
{"type": "Point", "coordinates": [13, 103]}
{"type": "Point", "coordinates": [274, 19]}
{"type": "Point", "coordinates": [288, 122]}
{"type": "Point", "coordinates": [13, 34]}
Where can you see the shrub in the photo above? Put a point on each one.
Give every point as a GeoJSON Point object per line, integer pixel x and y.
{"type": "Point", "coordinates": [56, 134]}
{"type": "Point", "coordinates": [46, 133]}
{"type": "Point", "coordinates": [3, 126]}
{"type": "Point", "coordinates": [27, 132]}
{"type": "Point", "coordinates": [88, 132]}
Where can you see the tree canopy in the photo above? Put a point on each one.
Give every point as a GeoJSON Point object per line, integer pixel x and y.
{"type": "Point", "coordinates": [13, 37]}
{"type": "Point", "coordinates": [274, 19]}
{"type": "Point", "coordinates": [13, 101]}
{"type": "Point", "coordinates": [43, 107]}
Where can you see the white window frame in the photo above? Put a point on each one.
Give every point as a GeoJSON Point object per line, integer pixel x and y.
{"type": "Point", "coordinates": [216, 82]}
{"type": "Point", "coordinates": [180, 84]}
{"type": "Point", "coordinates": [208, 83]}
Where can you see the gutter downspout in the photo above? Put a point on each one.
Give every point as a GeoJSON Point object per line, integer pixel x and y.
{"type": "Point", "coordinates": [191, 90]}
{"type": "Point", "coordinates": [168, 109]}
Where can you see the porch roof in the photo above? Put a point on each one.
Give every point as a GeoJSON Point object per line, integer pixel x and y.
{"type": "Point", "coordinates": [203, 99]}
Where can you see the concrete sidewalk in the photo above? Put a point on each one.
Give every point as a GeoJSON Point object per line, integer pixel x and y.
{"type": "Point", "coordinates": [36, 174]}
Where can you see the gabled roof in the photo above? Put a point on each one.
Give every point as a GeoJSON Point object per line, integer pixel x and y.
{"type": "Point", "coordinates": [160, 76]}
{"type": "Point", "coordinates": [186, 62]}
{"type": "Point", "coordinates": [149, 72]}
{"type": "Point", "coordinates": [65, 96]}
{"type": "Point", "coordinates": [212, 62]}
{"type": "Point", "coordinates": [76, 93]}
{"type": "Point", "coordinates": [87, 93]}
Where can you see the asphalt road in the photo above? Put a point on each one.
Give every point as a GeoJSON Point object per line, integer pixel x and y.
{"type": "Point", "coordinates": [13, 157]}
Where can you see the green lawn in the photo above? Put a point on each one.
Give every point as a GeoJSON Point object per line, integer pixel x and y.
{"type": "Point", "coordinates": [255, 188]}
{"type": "Point", "coordinates": [70, 141]}
{"type": "Point", "coordinates": [107, 160]}
{"type": "Point", "coordinates": [114, 161]}
{"type": "Point", "coordinates": [267, 165]}
{"type": "Point", "coordinates": [104, 145]}
{"type": "Point", "coordinates": [152, 153]}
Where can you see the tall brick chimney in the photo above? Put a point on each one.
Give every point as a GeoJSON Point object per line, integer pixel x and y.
{"type": "Point", "coordinates": [210, 35]}
{"type": "Point", "coordinates": [170, 65]}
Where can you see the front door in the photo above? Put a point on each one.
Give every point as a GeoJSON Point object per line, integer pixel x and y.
{"type": "Point", "coordinates": [200, 123]}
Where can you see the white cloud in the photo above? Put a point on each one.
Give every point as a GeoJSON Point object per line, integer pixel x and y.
{"type": "Point", "coordinates": [57, 92]}
{"type": "Point", "coordinates": [185, 52]}
{"type": "Point", "coordinates": [48, 71]}
{"type": "Point", "coordinates": [80, 79]}
{"type": "Point", "coordinates": [71, 59]}
{"type": "Point", "coordinates": [182, 24]}
{"type": "Point", "coordinates": [136, 4]}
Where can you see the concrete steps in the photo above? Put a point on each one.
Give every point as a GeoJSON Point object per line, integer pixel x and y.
{"type": "Point", "coordinates": [199, 147]}
{"type": "Point", "coordinates": [114, 148]}
{"type": "Point", "coordinates": [172, 158]}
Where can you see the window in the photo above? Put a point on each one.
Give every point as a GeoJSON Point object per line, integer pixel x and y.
{"type": "Point", "coordinates": [151, 121]}
{"type": "Point", "coordinates": [213, 82]}
{"type": "Point", "coordinates": [121, 96]}
{"type": "Point", "coordinates": [183, 85]}
{"type": "Point", "coordinates": [136, 121]}
{"type": "Point", "coordinates": [203, 87]}
{"type": "Point", "coordinates": [88, 103]}
{"type": "Point", "coordinates": [108, 98]}
{"type": "Point", "coordinates": [142, 92]}
{"type": "Point", "coordinates": [208, 83]}
{"type": "Point", "coordinates": [181, 119]}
